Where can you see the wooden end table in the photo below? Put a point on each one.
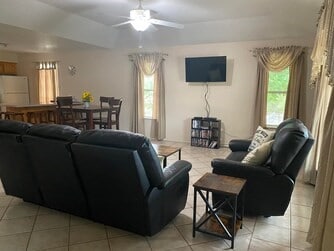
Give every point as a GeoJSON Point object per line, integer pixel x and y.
{"type": "Point", "coordinates": [215, 221]}
{"type": "Point", "coordinates": [165, 151]}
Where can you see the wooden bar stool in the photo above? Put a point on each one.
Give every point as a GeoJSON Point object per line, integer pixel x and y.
{"type": "Point", "coordinates": [38, 117]}
{"type": "Point", "coordinates": [12, 116]}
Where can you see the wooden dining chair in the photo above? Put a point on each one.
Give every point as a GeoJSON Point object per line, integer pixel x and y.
{"type": "Point", "coordinates": [101, 121]}
{"type": "Point", "coordinates": [111, 117]}
{"type": "Point", "coordinates": [114, 112]}
{"type": "Point", "coordinates": [66, 115]}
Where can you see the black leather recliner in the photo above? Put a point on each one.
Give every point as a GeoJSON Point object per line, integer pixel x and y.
{"type": "Point", "coordinates": [125, 184]}
{"type": "Point", "coordinates": [113, 177]}
{"type": "Point", "coordinates": [16, 172]}
{"type": "Point", "coordinates": [50, 155]}
{"type": "Point", "coordinates": [269, 186]}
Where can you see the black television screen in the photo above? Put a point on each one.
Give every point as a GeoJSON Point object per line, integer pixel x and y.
{"type": "Point", "coordinates": [206, 69]}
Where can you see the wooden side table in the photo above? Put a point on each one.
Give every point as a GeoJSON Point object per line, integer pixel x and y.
{"type": "Point", "coordinates": [165, 151]}
{"type": "Point", "coordinates": [215, 221]}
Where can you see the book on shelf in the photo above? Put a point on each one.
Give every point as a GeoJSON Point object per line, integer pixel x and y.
{"type": "Point", "coordinates": [205, 125]}
{"type": "Point", "coordinates": [213, 144]}
{"type": "Point", "coordinates": [196, 124]}
{"type": "Point", "coordinates": [195, 133]}
{"type": "Point", "coordinates": [214, 133]}
{"type": "Point", "coordinates": [205, 134]}
{"type": "Point", "coordinates": [215, 124]}
{"type": "Point", "coordinates": [205, 142]}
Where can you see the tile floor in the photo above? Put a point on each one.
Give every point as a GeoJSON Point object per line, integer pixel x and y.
{"type": "Point", "coordinates": [25, 226]}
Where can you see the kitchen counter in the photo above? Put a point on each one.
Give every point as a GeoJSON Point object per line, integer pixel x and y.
{"type": "Point", "coordinates": [31, 108]}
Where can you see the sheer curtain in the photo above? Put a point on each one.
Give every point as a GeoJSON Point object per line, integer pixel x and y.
{"type": "Point", "coordinates": [48, 85]}
{"type": "Point", "coordinates": [322, 80]}
{"type": "Point", "coordinates": [277, 59]}
{"type": "Point", "coordinates": [321, 229]}
{"type": "Point", "coordinates": [149, 64]}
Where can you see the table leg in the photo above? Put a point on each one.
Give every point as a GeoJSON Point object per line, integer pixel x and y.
{"type": "Point", "coordinates": [194, 212]}
{"type": "Point", "coordinates": [242, 206]}
{"type": "Point", "coordinates": [90, 123]}
{"type": "Point", "coordinates": [180, 154]}
{"type": "Point", "coordinates": [165, 161]}
{"type": "Point", "coordinates": [234, 220]}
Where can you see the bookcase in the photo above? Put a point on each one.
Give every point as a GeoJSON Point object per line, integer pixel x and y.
{"type": "Point", "coordinates": [205, 132]}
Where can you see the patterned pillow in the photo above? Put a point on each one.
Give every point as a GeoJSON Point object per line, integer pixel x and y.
{"type": "Point", "coordinates": [259, 155]}
{"type": "Point", "coordinates": [261, 136]}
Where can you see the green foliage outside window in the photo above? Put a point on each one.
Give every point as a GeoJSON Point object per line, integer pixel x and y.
{"type": "Point", "coordinates": [148, 96]}
{"type": "Point", "coordinates": [276, 96]}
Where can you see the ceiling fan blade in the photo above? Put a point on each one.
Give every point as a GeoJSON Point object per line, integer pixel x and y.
{"type": "Point", "coordinates": [166, 23]}
{"type": "Point", "coordinates": [152, 28]}
{"type": "Point", "coordinates": [120, 24]}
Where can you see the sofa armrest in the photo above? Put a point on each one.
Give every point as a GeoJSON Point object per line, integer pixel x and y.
{"type": "Point", "coordinates": [266, 192]}
{"type": "Point", "coordinates": [241, 170]}
{"type": "Point", "coordinates": [237, 145]}
{"type": "Point", "coordinates": [172, 172]}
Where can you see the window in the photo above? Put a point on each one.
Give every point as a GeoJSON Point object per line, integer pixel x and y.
{"type": "Point", "coordinates": [277, 89]}
{"type": "Point", "coordinates": [48, 86]}
{"type": "Point", "coordinates": [148, 96]}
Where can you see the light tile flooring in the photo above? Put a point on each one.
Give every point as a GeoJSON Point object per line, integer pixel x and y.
{"type": "Point", "coordinates": [24, 226]}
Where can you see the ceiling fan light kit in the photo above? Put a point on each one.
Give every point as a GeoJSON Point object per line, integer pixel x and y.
{"type": "Point", "coordinates": [140, 19]}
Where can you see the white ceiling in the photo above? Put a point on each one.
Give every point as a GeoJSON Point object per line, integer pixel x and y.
{"type": "Point", "coordinates": [53, 25]}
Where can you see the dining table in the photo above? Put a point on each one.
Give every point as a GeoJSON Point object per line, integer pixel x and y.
{"type": "Point", "coordinates": [89, 111]}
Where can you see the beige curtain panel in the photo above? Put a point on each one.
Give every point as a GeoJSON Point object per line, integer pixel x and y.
{"type": "Point", "coordinates": [261, 97]}
{"type": "Point", "coordinates": [322, 54]}
{"type": "Point", "coordinates": [295, 102]}
{"type": "Point", "coordinates": [48, 84]}
{"type": "Point", "coordinates": [321, 231]}
{"type": "Point", "coordinates": [277, 59]}
{"type": "Point", "coordinates": [322, 80]}
{"type": "Point", "coordinates": [149, 64]}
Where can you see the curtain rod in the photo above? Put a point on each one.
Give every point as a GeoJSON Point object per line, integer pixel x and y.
{"type": "Point", "coordinates": [43, 61]}
{"type": "Point", "coordinates": [131, 55]}
{"type": "Point", "coordinates": [255, 50]}
{"type": "Point", "coordinates": [276, 47]}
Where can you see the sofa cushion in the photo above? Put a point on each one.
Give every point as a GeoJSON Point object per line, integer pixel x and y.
{"type": "Point", "coordinates": [237, 156]}
{"type": "Point", "coordinates": [288, 143]}
{"type": "Point", "coordinates": [261, 136]}
{"type": "Point", "coordinates": [128, 140]}
{"type": "Point", "coordinates": [13, 126]}
{"type": "Point", "coordinates": [54, 131]}
{"type": "Point", "coordinates": [259, 155]}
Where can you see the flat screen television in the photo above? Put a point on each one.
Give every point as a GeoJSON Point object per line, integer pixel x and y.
{"type": "Point", "coordinates": [205, 69]}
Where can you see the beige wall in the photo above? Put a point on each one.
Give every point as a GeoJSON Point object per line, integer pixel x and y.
{"type": "Point", "coordinates": [109, 72]}
{"type": "Point", "coordinates": [8, 56]}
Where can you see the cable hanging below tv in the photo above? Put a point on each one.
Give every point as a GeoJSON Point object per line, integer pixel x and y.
{"type": "Point", "coordinates": [205, 69]}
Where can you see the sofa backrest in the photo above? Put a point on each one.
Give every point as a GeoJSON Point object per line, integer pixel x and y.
{"type": "Point", "coordinates": [15, 169]}
{"type": "Point", "coordinates": [48, 146]}
{"type": "Point", "coordinates": [292, 144]}
{"type": "Point", "coordinates": [128, 140]}
{"type": "Point", "coordinates": [116, 169]}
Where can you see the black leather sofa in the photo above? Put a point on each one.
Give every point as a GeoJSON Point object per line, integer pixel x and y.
{"type": "Point", "coordinates": [112, 177]}
{"type": "Point", "coordinates": [269, 186]}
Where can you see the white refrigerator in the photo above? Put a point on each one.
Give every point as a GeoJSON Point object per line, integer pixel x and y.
{"type": "Point", "coordinates": [14, 90]}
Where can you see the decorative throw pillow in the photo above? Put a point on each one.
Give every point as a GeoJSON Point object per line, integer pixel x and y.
{"type": "Point", "coordinates": [261, 136]}
{"type": "Point", "coordinates": [259, 155]}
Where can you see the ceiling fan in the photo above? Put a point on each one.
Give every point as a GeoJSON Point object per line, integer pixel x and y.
{"type": "Point", "coordinates": [141, 19]}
